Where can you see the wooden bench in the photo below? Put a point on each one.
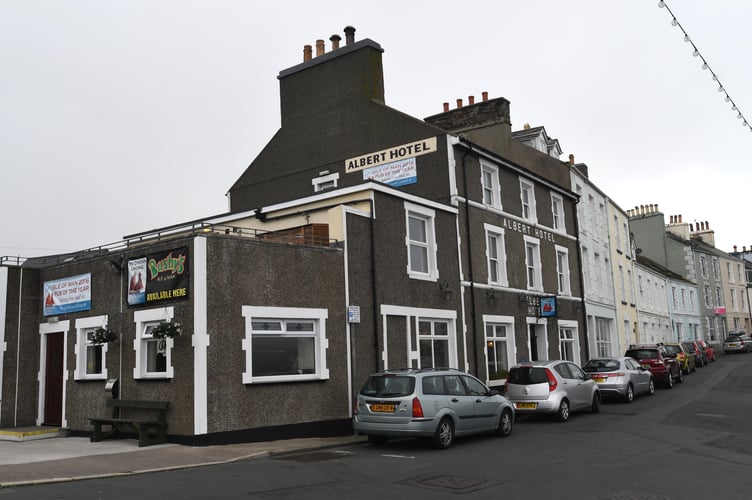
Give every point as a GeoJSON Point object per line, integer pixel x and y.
{"type": "Point", "coordinates": [150, 424]}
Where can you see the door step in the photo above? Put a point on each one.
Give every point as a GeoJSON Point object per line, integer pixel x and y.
{"type": "Point", "coordinates": [31, 433]}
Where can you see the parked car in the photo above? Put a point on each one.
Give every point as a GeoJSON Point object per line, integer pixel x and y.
{"type": "Point", "coordinates": [557, 387]}
{"type": "Point", "coordinates": [686, 358]}
{"type": "Point", "coordinates": [709, 351]}
{"type": "Point", "coordinates": [664, 368]}
{"type": "Point", "coordinates": [435, 403]}
{"type": "Point", "coordinates": [700, 357]}
{"type": "Point", "coordinates": [620, 377]}
{"type": "Point", "coordinates": [737, 343]}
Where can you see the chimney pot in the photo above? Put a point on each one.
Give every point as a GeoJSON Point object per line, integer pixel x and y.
{"type": "Point", "coordinates": [470, 100]}
{"type": "Point", "coordinates": [459, 103]}
{"type": "Point", "coordinates": [680, 218]}
{"type": "Point", "coordinates": [707, 225]}
{"type": "Point", "coordinates": [571, 157]}
{"type": "Point", "coordinates": [670, 219]}
{"type": "Point", "coordinates": [349, 35]}
{"type": "Point", "coordinates": [307, 51]}
{"type": "Point", "coordinates": [734, 248]}
{"type": "Point", "coordinates": [335, 38]}
{"type": "Point", "coordinates": [691, 228]}
{"type": "Point", "coordinates": [319, 48]}
{"type": "Point", "coordinates": [485, 95]}
{"type": "Point", "coordinates": [446, 107]}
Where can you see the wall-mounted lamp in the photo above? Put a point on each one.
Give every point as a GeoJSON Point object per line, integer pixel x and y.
{"type": "Point", "coordinates": [524, 300]}
{"type": "Point", "coordinates": [491, 296]}
{"type": "Point", "coordinates": [444, 287]}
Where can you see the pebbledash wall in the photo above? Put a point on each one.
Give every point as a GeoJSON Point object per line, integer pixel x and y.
{"type": "Point", "coordinates": [207, 378]}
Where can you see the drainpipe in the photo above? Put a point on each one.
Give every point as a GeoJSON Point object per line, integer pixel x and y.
{"type": "Point", "coordinates": [18, 346]}
{"type": "Point", "coordinates": [375, 301]}
{"type": "Point", "coordinates": [470, 259]}
{"type": "Point", "coordinates": [582, 280]}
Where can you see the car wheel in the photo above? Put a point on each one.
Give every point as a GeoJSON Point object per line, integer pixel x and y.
{"type": "Point", "coordinates": [651, 387]}
{"type": "Point", "coordinates": [680, 378]}
{"type": "Point", "coordinates": [563, 413]}
{"type": "Point", "coordinates": [669, 381]}
{"type": "Point", "coordinates": [376, 440]}
{"type": "Point", "coordinates": [505, 423]}
{"type": "Point", "coordinates": [595, 405]}
{"type": "Point", "coordinates": [444, 435]}
{"type": "Point", "coordinates": [629, 395]}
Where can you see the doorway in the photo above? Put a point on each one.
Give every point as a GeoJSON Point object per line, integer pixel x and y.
{"type": "Point", "coordinates": [537, 342]}
{"type": "Point", "coordinates": [53, 382]}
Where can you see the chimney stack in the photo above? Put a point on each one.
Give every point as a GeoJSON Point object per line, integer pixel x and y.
{"type": "Point", "coordinates": [349, 35]}
{"type": "Point", "coordinates": [707, 225]}
{"type": "Point", "coordinates": [459, 103]}
{"type": "Point", "coordinates": [485, 95]}
{"type": "Point", "coordinates": [446, 107]}
{"type": "Point", "coordinates": [335, 41]}
{"type": "Point", "coordinates": [571, 159]}
{"type": "Point", "coordinates": [470, 100]}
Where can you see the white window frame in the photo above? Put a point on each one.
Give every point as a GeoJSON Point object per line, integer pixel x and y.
{"type": "Point", "coordinates": [526, 187]}
{"type": "Point", "coordinates": [83, 326]}
{"type": "Point", "coordinates": [321, 343]}
{"type": "Point", "coordinates": [433, 338]}
{"type": "Point", "coordinates": [491, 191]}
{"type": "Point", "coordinates": [499, 261]}
{"type": "Point", "coordinates": [703, 266]}
{"type": "Point", "coordinates": [733, 299]}
{"type": "Point", "coordinates": [145, 319]}
{"type": "Point", "coordinates": [325, 182]}
{"type": "Point", "coordinates": [428, 216]}
{"type": "Point", "coordinates": [730, 272]}
{"type": "Point", "coordinates": [535, 266]}
{"type": "Point", "coordinates": [575, 340]}
{"type": "Point", "coordinates": [557, 213]}
{"type": "Point", "coordinates": [603, 338]}
{"type": "Point", "coordinates": [564, 282]}
{"type": "Point", "coordinates": [495, 341]}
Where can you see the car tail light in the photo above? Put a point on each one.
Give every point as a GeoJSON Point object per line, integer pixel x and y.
{"type": "Point", "coordinates": [552, 383]}
{"type": "Point", "coordinates": [615, 375]}
{"type": "Point", "coordinates": [417, 408]}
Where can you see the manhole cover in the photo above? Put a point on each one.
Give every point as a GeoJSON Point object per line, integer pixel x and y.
{"type": "Point", "coordinates": [451, 483]}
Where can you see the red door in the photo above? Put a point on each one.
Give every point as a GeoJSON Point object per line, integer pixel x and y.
{"type": "Point", "coordinates": [53, 386]}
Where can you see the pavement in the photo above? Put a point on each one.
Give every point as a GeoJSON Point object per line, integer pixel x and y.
{"type": "Point", "coordinates": [61, 459]}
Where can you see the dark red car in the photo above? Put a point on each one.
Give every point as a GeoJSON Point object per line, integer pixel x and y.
{"type": "Point", "coordinates": [664, 368]}
{"type": "Point", "coordinates": [709, 351]}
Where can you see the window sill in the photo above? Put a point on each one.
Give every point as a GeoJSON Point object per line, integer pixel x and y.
{"type": "Point", "coordinates": [283, 379]}
{"type": "Point", "coordinates": [84, 378]}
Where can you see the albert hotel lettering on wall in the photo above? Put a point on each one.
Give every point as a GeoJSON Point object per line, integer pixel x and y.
{"type": "Point", "coordinates": [389, 155]}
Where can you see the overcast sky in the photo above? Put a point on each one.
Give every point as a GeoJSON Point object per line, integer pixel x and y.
{"type": "Point", "coordinates": [117, 117]}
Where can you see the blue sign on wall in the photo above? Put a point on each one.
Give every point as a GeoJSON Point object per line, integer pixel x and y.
{"type": "Point", "coordinates": [547, 307]}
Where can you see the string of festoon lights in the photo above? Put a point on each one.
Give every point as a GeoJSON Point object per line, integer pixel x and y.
{"type": "Point", "coordinates": [696, 52]}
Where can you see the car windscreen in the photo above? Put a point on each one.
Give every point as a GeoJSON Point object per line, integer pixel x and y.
{"type": "Point", "coordinates": [601, 365]}
{"type": "Point", "coordinates": [388, 386]}
{"type": "Point", "coordinates": [643, 354]}
{"type": "Point", "coordinates": [528, 375]}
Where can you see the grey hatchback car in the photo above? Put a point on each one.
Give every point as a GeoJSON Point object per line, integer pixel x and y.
{"type": "Point", "coordinates": [558, 387]}
{"type": "Point", "coordinates": [435, 403]}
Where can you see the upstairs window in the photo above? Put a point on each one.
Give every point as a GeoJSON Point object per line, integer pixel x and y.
{"type": "Point", "coordinates": [562, 270]}
{"type": "Point", "coordinates": [491, 186]}
{"type": "Point", "coordinates": [557, 211]}
{"type": "Point", "coordinates": [325, 181]}
{"type": "Point", "coordinates": [533, 264]}
{"type": "Point", "coordinates": [421, 243]}
{"type": "Point", "coordinates": [703, 266]}
{"type": "Point", "coordinates": [527, 196]}
{"type": "Point", "coordinates": [496, 255]}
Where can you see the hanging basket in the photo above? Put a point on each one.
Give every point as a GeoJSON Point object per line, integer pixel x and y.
{"type": "Point", "coordinates": [167, 330]}
{"type": "Point", "coordinates": [103, 335]}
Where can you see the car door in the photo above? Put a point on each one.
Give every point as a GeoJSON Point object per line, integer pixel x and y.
{"type": "Point", "coordinates": [460, 402]}
{"type": "Point", "coordinates": [486, 407]}
{"type": "Point", "coordinates": [637, 375]}
{"type": "Point", "coordinates": [580, 387]}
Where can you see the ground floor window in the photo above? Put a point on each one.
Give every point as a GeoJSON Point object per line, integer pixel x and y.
{"type": "Point", "coordinates": [284, 344]}
{"type": "Point", "coordinates": [499, 346]}
{"type": "Point", "coordinates": [569, 343]}
{"type": "Point", "coordinates": [433, 342]}
{"type": "Point", "coordinates": [91, 360]}
{"type": "Point", "coordinates": [602, 338]}
{"type": "Point", "coordinates": [153, 355]}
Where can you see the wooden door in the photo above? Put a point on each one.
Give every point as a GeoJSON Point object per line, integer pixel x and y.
{"type": "Point", "coordinates": [53, 386]}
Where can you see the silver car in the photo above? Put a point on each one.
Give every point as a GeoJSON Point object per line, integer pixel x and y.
{"type": "Point", "coordinates": [620, 377]}
{"type": "Point", "coordinates": [435, 403]}
{"type": "Point", "coordinates": [558, 387]}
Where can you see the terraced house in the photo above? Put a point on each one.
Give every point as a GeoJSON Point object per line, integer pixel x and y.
{"type": "Point", "coordinates": [359, 238]}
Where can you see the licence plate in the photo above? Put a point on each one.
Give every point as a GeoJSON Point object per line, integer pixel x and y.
{"type": "Point", "coordinates": [381, 408]}
{"type": "Point", "coordinates": [599, 380]}
{"type": "Point", "coordinates": [526, 406]}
